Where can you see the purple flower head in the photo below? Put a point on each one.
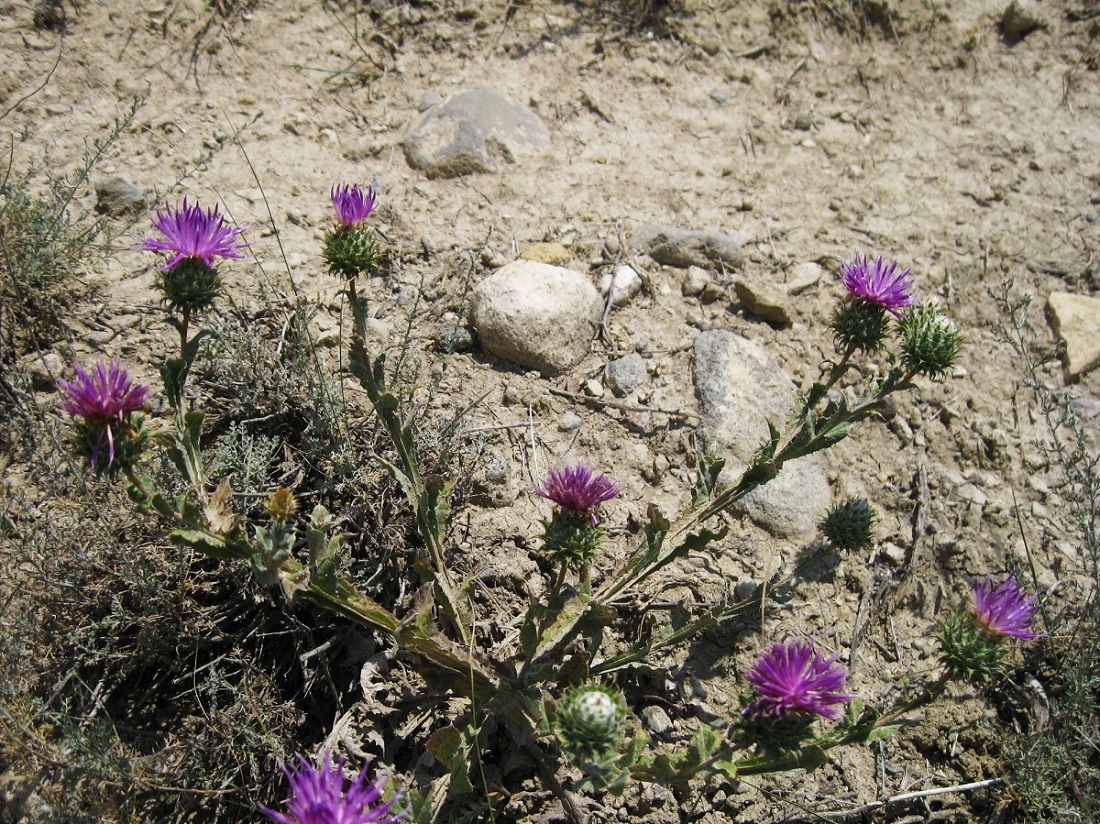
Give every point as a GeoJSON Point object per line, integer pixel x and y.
{"type": "Point", "coordinates": [103, 398]}
{"type": "Point", "coordinates": [792, 678]}
{"type": "Point", "coordinates": [1005, 609]}
{"type": "Point", "coordinates": [191, 232]}
{"type": "Point", "coordinates": [578, 489]}
{"type": "Point", "coordinates": [879, 283]}
{"type": "Point", "coordinates": [322, 795]}
{"type": "Point", "coordinates": [353, 205]}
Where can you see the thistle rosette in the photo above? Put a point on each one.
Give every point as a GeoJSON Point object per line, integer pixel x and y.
{"type": "Point", "coordinates": [850, 525]}
{"type": "Point", "coordinates": [572, 536]}
{"type": "Point", "coordinates": [350, 247]}
{"type": "Point", "coordinates": [972, 643]}
{"type": "Point", "coordinates": [591, 722]}
{"type": "Point", "coordinates": [323, 795]}
{"type": "Point", "coordinates": [105, 401]}
{"type": "Point", "coordinates": [876, 288]}
{"type": "Point", "coordinates": [195, 239]}
{"type": "Point", "coordinates": [930, 341]}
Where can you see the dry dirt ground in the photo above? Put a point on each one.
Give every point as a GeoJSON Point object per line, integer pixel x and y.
{"type": "Point", "coordinates": [910, 128]}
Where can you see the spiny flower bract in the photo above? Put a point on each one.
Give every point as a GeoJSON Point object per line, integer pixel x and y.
{"type": "Point", "coordinates": [578, 489]}
{"type": "Point", "coordinates": [878, 282]}
{"type": "Point", "coordinates": [930, 341]}
{"type": "Point", "coordinates": [190, 232]}
{"type": "Point", "coordinates": [322, 795]}
{"type": "Point", "coordinates": [1005, 609]}
{"type": "Point", "coordinates": [792, 678]}
{"type": "Point", "coordinates": [590, 720]}
{"type": "Point", "coordinates": [353, 205]}
{"type": "Point", "coordinates": [103, 398]}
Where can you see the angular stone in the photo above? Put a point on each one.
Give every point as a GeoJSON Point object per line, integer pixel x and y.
{"type": "Point", "coordinates": [740, 388]}
{"type": "Point", "coordinates": [476, 130]}
{"type": "Point", "coordinates": [1076, 320]}
{"type": "Point", "coordinates": [625, 374]}
{"type": "Point", "coordinates": [539, 316]}
{"type": "Point", "coordinates": [621, 285]}
{"type": "Point", "coordinates": [673, 246]}
{"type": "Point", "coordinates": [763, 301]}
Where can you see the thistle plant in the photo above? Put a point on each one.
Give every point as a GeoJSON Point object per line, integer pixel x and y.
{"type": "Point", "coordinates": [105, 400]}
{"type": "Point", "coordinates": [323, 795]}
{"type": "Point", "coordinates": [572, 536]}
{"type": "Point", "coordinates": [554, 692]}
{"type": "Point", "coordinates": [350, 248]}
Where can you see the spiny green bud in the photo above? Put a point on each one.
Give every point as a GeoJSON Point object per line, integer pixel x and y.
{"type": "Point", "coordinates": [571, 539]}
{"type": "Point", "coordinates": [590, 720]}
{"type": "Point", "coordinates": [861, 325]}
{"type": "Point", "coordinates": [351, 250]}
{"type": "Point", "coordinates": [850, 525]}
{"type": "Point", "coordinates": [930, 341]}
{"type": "Point", "coordinates": [190, 285]}
{"type": "Point", "coordinates": [969, 653]}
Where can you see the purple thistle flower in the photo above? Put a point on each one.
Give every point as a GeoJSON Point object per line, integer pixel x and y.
{"type": "Point", "coordinates": [1005, 609]}
{"type": "Point", "coordinates": [792, 678]}
{"type": "Point", "coordinates": [322, 795]}
{"type": "Point", "coordinates": [103, 398]}
{"type": "Point", "coordinates": [879, 283]}
{"type": "Point", "coordinates": [353, 205]}
{"type": "Point", "coordinates": [578, 489]}
{"type": "Point", "coordinates": [193, 233]}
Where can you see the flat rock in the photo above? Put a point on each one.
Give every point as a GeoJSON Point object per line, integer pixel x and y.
{"type": "Point", "coordinates": [1076, 320]}
{"type": "Point", "coordinates": [118, 196]}
{"type": "Point", "coordinates": [740, 388]}
{"type": "Point", "coordinates": [678, 247]}
{"type": "Point", "coordinates": [474, 131]}
{"type": "Point", "coordinates": [536, 315]}
{"type": "Point", "coordinates": [802, 277]}
{"type": "Point", "coordinates": [552, 253]}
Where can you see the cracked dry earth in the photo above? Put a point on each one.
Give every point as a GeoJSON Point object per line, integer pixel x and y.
{"type": "Point", "coordinates": [923, 132]}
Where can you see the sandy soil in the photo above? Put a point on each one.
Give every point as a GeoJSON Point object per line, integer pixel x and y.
{"type": "Point", "coordinates": [920, 131]}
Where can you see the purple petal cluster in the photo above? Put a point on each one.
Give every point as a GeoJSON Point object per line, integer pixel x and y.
{"type": "Point", "coordinates": [353, 205]}
{"type": "Point", "coordinates": [878, 282]}
{"type": "Point", "coordinates": [792, 678]}
{"type": "Point", "coordinates": [1005, 609]}
{"type": "Point", "coordinates": [578, 489]}
{"type": "Point", "coordinates": [322, 795]}
{"type": "Point", "coordinates": [192, 232]}
{"type": "Point", "coordinates": [104, 397]}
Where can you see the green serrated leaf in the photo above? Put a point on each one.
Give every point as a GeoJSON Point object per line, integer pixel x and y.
{"type": "Point", "coordinates": [883, 732]}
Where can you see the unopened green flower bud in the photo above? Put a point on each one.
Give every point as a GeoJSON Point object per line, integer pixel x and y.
{"type": "Point", "coordinates": [969, 653]}
{"type": "Point", "coordinates": [351, 250]}
{"type": "Point", "coordinates": [850, 525]}
{"type": "Point", "coordinates": [571, 539]}
{"type": "Point", "coordinates": [590, 721]}
{"type": "Point", "coordinates": [859, 325]}
{"type": "Point", "coordinates": [190, 285]}
{"type": "Point", "coordinates": [930, 341]}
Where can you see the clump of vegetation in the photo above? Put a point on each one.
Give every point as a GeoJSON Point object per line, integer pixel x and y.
{"type": "Point", "coordinates": [1054, 752]}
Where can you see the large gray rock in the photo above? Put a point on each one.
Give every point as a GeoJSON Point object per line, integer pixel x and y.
{"type": "Point", "coordinates": [476, 130]}
{"type": "Point", "coordinates": [740, 388]}
{"type": "Point", "coordinates": [1076, 320]}
{"type": "Point", "coordinates": [537, 315]}
{"type": "Point", "coordinates": [672, 246]}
